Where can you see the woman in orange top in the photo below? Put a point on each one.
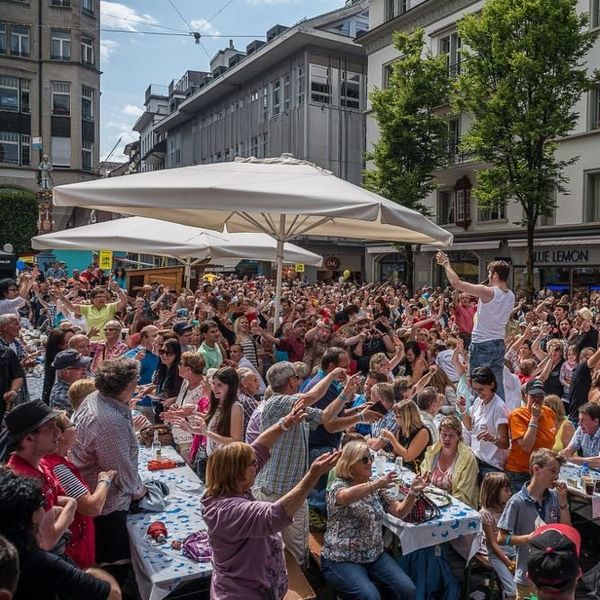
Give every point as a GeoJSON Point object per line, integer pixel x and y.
{"type": "Point", "coordinates": [530, 427]}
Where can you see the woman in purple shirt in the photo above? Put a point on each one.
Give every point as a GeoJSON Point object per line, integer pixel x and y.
{"type": "Point", "coordinates": [248, 560]}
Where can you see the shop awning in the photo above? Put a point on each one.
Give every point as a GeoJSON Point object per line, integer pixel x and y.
{"type": "Point", "coordinates": [484, 245]}
{"type": "Point", "coordinates": [556, 242]}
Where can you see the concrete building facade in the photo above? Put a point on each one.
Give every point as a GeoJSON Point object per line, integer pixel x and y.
{"type": "Point", "coordinates": [49, 92]}
{"type": "Point", "coordinates": [567, 244]}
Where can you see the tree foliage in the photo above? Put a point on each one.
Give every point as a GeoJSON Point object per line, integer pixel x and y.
{"type": "Point", "coordinates": [18, 218]}
{"type": "Point", "coordinates": [413, 136]}
{"type": "Point", "coordinates": [523, 72]}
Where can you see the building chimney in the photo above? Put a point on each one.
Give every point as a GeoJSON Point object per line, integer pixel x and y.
{"type": "Point", "coordinates": [231, 45]}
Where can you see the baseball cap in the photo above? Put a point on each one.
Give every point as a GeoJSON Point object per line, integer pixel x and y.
{"type": "Point", "coordinates": [553, 559]}
{"type": "Point", "coordinates": [27, 417]}
{"type": "Point", "coordinates": [181, 328]}
{"type": "Point", "coordinates": [535, 387]}
{"type": "Point", "coordinates": [586, 314]}
{"type": "Point", "coordinates": [70, 358]}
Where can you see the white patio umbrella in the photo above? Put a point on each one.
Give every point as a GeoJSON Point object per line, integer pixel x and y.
{"type": "Point", "coordinates": [282, 197]}
{"type": "Point", "coordinates": [189, 245]}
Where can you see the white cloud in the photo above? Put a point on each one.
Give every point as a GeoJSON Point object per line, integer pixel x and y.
{"type": "Point", "coordinates": [126, 136]}
{"type": "Point", "coordinates": [107, 48]}
{"type": "Point", "coordinates": [115, 15]}
{"type": "Point", "coordinates": [204, 26]}
{"type": "Point", "coordinates": [132, 110]}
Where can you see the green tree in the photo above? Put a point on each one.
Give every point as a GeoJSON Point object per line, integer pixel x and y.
{"type": "Point", "coordinates": [413, 135]}
{"type": "Point", "coordinates": [523, 71]}
{"type": "Point", "coordinates": [18, 218]}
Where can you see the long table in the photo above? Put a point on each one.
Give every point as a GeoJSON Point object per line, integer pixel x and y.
{"type": "Point", "coordinates": [578, 498]}
{"type": "Point", "coordinates": [158, 568]}
{"type": "Point", "coordinates": [458, 523]}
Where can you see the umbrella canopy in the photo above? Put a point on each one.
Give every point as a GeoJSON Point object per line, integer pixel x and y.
{"type": "Point", "coordinates": [251, 195]}
{"type": "Point", "coordinates": [189, 245]}
{"type": "Point", "coordinates": [282, 197]}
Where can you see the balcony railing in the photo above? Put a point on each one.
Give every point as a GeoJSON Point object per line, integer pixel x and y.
{"type": "Point", "coordinates": [454, 154]}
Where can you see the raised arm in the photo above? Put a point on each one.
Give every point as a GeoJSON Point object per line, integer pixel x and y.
{"type": "Point", "coordinates": [480, 291]}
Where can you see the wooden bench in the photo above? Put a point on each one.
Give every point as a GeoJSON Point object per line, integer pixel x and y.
{"type": "Point", "coordinates": [315, 545]}
{"type": "Point", "coordinates": [298, 586]}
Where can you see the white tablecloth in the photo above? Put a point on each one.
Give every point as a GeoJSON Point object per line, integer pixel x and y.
{"type": "Point", "coordinates": [159, 569]}
{"type": "Point", "coordinates": [569, 472]}
{"type": "Point", "coordinates": [458, 523]}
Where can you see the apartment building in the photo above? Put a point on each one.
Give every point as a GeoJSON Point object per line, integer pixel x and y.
{"type": "Point", "coordinates": [49, 92]}
{"type": "Point", "coordinates": [567, 244]}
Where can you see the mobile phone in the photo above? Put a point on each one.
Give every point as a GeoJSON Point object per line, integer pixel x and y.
{"type": "Point", "coordinates": [379, 408]}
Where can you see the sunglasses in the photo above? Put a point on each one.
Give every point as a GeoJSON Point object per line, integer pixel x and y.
{"type": "Point", "coordinates": [166, 353]}
{"type": "Point", "coordinates": [111, 329]}
{"type": "Point", "coordinates": [369, 458]}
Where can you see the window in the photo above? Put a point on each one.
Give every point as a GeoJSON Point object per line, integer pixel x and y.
{"type": "Point", "coordinates": [9, 93]}
{"type": "Point", "coordinates": [254, 146]}
{"type": "Point", "coordinates": [87, 150]}
{"type": "Point", "coordinates": [301, 80]}
{"type": "Point", "coordinates": [19, 40]}
{"type": "Point", "coordinates": [3, 47]}
{"type": "Point", "coordinates": [87, 6]}
{"type": "Point", "coordinates": [60, 151]}
{"type": "Point", "coordinates": [276, 97]}
{"type": "Point", "coordinates": [254, 96]}
{"type": "Point", "coordinates": [61, 98]}
{"type": "Point", "coordinates": [320, 84]}
{"type": "Point", "coordinates": [87, 103]}
{"type": "Point", "coordinates": [65, 3]}
{"type": "Point", "coordinates": [450, 46]}
{"type": "Point", "coordinates": [25, 103]}
{"type": "Point", "coordinates": [388, 71]}
{"type": "Point", "coordinates": [87, 50]}
{"type": "Point", "coordinates": [60, 45]}
{"type": "Point", "coordinates": [453, 141]}
{"type": "Point", "coordinates": [595, 107]}
{"type": "Point", "coordinates": [394, 8]}
{"type": "Point", "coordinates": [592, 193]}
{"type": "Point", "coordinates": [286, 92]}
{"type": "Point", "coordinates": [595, 14]}
{"type": "Point", "coordinates": [14, 148]}
{"type": "Point", "coordinates": [445, 208]}
{"type": "Point", "coordinates": [491, 213]}
{"type": "Point", "coordinates": [265, 104]}
{"type": "Point", "coordinates": [265, 145]}
{"type": "Point", "coordinates": [9, 147]}
{"type": "Point", "coordinates": [350, 89]}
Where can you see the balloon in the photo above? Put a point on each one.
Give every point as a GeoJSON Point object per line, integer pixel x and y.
{"type": "Point", "coordinates": [20, 265]}
{"type": "Point", "coordinates": [346, 274]}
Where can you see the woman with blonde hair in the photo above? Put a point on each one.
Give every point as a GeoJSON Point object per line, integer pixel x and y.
{"type": "Point", "coordinates": [241, 328]}
{"type": "Point", "coordinates": [353, 558]}
{"type": "Point", "coordinates": [247, 549]}
{"type": "Point", "coordinates": [452, 464]}
{"type": "Point", "coordinates": [564, 428]}
{"type": "Point", "coordinates": [412, 438]}
{"type": "Point", "coordinates": [594, 393]}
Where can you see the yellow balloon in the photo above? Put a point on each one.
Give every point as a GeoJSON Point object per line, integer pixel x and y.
{"type": "Point", "coordinates": [346, 274]}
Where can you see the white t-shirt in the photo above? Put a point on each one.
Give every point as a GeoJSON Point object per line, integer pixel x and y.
{"type": "Point", "coordinates": [488, 415]}
{"type": "Point", "coordinates": [12, 305]}
{"type": "Point", "coordinates": [512, 390]}
{"type": "Point", "coordinates": [492, 317]}
{"type": "Point", "coordinates": [443, 360]}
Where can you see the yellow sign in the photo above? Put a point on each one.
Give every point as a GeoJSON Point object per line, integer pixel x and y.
{"type": "Point", "coordinates": [105, 260]}
{"type": "Point", "coordinates": [299, 268]}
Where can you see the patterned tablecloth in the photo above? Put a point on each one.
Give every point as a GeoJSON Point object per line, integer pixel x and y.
{"type": "Point", "coordinates": [570, 473]}
{"type": "Point", "coordinates": [160, 569]}
{"type": "Point", "coordinates": [458, 523]}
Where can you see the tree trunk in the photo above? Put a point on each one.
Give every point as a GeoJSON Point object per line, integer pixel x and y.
{"type": "Point", "coordinates": [529, 286]}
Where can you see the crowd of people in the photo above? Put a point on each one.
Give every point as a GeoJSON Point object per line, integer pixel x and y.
{"type": "Point", "coordinates": [479, 392]}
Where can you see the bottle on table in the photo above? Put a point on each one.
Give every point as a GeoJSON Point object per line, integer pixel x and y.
{"type": "Point", "coordinates": [156, 447]}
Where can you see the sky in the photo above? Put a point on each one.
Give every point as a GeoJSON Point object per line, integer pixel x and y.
{"type": "Point", "coordinates": [132, 60]}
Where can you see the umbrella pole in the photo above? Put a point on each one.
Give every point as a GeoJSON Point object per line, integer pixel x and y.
{"type": "Point", "coordinates": [279, 259]}
{"type": "Point", "coordinates": [188, 272]}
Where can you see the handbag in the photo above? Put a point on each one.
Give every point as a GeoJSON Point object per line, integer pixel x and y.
{"type": "Point", "coordinates": [424, 509]}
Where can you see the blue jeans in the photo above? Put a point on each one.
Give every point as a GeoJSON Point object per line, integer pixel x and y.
{"type": "Point", "coordinates": [489, 354]}
{"type": "Point", "coordinates": [507, 579]}
{"type": "Point", "coordinates": [356, 581]}
{"type": "Point", "coordinates": [517, 480]}
{"type": "Point", "coordinates": [317, 497]}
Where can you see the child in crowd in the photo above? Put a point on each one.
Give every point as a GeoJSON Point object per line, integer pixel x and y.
{"type": "Point", "coordinates": [494, 495]}
{"type": "Point", "coordinates": [566, 371]}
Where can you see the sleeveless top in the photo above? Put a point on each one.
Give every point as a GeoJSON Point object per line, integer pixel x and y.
{"type": "Point", "coordinates": [492, 317]}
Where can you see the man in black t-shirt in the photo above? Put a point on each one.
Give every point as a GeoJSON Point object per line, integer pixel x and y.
{"type": "Point", "coordinates": [581, 381]}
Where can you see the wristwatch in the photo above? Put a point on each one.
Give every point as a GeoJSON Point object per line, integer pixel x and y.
{"type": "Point", "coordinates": [282, 424]}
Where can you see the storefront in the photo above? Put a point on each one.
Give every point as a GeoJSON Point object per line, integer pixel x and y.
{"type": "Point", "coordinates": [567, 265]}
{"type": "Point", "coordinates": [385, 263]}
